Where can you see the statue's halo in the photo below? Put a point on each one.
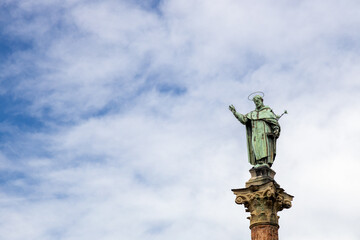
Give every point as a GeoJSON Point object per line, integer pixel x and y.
{"type": "Point", "coordinates": [255, 93]}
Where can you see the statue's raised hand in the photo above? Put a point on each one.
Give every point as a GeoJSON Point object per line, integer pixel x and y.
{"type": "Point", "coordinates": [232, 108]}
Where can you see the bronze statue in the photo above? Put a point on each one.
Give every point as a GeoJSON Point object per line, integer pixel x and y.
{"type": "Point", "coordinates": [262, 131]}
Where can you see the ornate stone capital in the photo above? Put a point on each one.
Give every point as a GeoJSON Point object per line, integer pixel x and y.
{"type": "Point", "coordinates": [263, 202]}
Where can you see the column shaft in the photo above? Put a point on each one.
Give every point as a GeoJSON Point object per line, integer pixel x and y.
{"type": "Point", "coordinates": [264, 232]}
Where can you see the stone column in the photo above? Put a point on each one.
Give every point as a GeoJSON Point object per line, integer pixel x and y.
{"type": "Point", "coordinates": [263, 198]}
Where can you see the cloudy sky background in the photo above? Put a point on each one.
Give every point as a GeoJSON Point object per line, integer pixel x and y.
{"type": "Point", "coordinates": [114, 120]}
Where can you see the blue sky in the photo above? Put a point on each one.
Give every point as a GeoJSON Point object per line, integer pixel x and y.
{"type": "Point", "coordinates": [114, 120]}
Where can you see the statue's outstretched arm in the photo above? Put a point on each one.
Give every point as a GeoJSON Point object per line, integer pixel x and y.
{"type": "Point", "coordinates": [239, 116]}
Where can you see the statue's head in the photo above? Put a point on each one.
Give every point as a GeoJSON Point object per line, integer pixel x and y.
{"type": "Point", "coordinates": [258, 100]}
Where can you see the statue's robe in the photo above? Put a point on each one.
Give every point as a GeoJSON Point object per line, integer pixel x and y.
{"type": "Point", "coordinates": [261, 139]}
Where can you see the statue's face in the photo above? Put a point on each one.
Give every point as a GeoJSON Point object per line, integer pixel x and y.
{"type": "Point", "coordinates": [258, 102]}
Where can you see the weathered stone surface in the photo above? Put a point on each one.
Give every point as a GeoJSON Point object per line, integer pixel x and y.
{"type": "Point", "coordinates": [264, 232]}
{"type": "Point", "coordinates": [263, 202]}
{"type": "Point", "coordinates": [263, 198]}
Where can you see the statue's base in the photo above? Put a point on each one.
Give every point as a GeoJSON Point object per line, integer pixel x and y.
{"type": "Point", "coordinates": [261, 175]}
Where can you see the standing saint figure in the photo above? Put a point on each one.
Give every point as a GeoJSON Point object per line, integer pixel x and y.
{"type": "Point", "coordinates": [262, 131]}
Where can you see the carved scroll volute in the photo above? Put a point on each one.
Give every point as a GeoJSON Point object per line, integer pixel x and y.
{"type": "Point", "coordinates": [240, 200]}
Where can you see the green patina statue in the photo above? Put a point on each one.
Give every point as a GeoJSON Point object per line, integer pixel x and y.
{"type": "Point", "coordinates": [262, 131]}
